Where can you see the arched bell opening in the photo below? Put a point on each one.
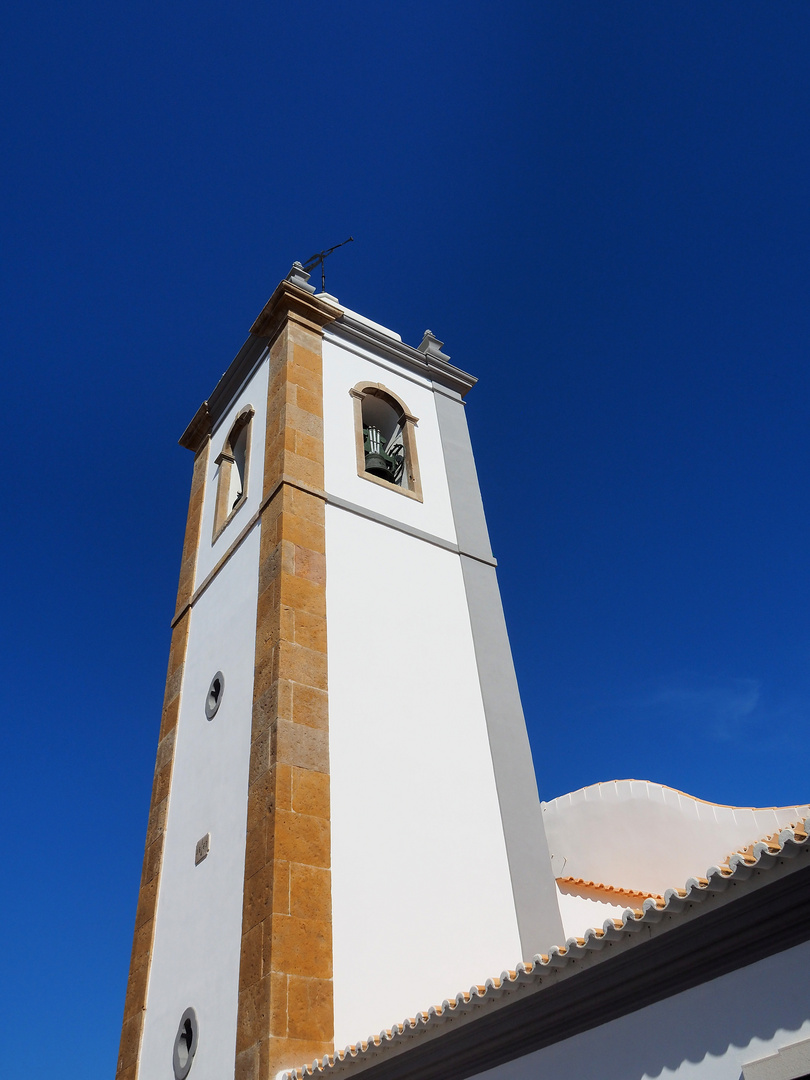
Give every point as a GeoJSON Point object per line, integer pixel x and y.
{"type": "Point", "coordinates": [382, 439]}
{"type": "Point", "coordinates": [238, 472]}
{"type": "Point", "coordinates": [232, 479]}
{"type": "Point", "coordinates": [385, 440]}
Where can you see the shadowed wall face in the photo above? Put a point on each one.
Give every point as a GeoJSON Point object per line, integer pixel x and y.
{"type": "Point", "coordinates": [707, 1033]}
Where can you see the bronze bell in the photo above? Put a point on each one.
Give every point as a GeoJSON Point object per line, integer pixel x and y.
{"type": "Point", "coordinates": [380, 465]}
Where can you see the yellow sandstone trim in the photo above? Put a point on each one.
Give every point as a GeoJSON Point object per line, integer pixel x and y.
{"type": "Point", "coordinates": [285, 1009]}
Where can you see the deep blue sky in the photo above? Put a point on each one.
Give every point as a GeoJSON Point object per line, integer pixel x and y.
{"type": "Point", "coordinates": [602, 210]}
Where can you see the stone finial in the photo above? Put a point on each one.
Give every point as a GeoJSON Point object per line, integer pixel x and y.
{"type": "Point", "coordinates": [431, 346]}
{"type": "Point", "coordinates": [298, 276]}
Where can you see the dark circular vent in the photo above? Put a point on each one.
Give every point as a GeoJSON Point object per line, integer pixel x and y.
{"type": "Point", "coordinates": [214, 695]}
{"type": "Point", "coordinates": [185, 1044]}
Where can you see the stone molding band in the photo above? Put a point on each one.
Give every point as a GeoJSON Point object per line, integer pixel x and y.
{"type": "Point", "coordinates": [242, 536]}
{"type": "Point", "coordinates": [330, 500]}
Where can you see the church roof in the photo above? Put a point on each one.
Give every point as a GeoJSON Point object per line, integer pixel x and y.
{"type": "Point", "coordinates": [726, 937]}
{"type": "Point", "coordinates": [641, 836]}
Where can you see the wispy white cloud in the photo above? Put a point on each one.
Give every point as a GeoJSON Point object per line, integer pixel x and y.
{"type": "Point", "coordinates": [725, 708]}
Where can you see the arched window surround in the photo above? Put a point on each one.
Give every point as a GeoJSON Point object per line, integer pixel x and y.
{"type": "Point", "coordinates": [413, 483]}
{"type": "Point", "coordinates": [228, 461]}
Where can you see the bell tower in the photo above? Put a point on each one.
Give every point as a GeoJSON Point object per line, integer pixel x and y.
{"type": "Point", "coordinates": [344, 825]}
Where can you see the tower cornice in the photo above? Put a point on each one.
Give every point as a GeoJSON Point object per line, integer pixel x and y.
{"type": "Point", "coordinates": [434, 365]}
{"type": "Point", "coordinates": [289, 303]}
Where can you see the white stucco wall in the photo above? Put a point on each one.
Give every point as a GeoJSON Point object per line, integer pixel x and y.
{"type": "Point", "coordinates": [254, 393]}
{"type": "Point", "coordinates": [343, 369]}
{"type": "Point", "coordinates": [422, 900]}
{"type": "Point", "coordinates": [707, 1033]}
{"type": "Point", "coordinates": [580, 913]}
{"type": "Point", "coordinates": [199, 913]}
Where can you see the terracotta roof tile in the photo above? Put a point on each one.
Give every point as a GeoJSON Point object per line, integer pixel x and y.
{"type": "Point", "coordinates": [612, 892]}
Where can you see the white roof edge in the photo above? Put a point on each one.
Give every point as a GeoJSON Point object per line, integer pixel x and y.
{"type": "Point", "coordinates": [359, 318]}
{"type": "Point", "coordinates": [639, 836]}
{"type": "Point", "coordinates": [606, 788]}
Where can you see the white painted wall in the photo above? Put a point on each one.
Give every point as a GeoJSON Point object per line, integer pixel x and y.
{"type": "Point", "coordinates": [254, 393]}
{"type": "Point", "coordinates": [580, 913]}
{"type": "Point", "coordinates": [635, 834]}
{"type": "Point", "coordinates": [422, 898]}
{"type": "Point", "coordinates": [199, 912]}
{"type": "Point", "coordinates": [707, 1033]}
{"type": "Point", "coordinates": [343, 369]}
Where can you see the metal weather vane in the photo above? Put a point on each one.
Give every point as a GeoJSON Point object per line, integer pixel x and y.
{"type": "Point", "coordinates": [313, 261]}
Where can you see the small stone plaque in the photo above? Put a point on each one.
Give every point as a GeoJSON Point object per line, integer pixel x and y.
{"type": "Point", "coordinates": [203, 847]}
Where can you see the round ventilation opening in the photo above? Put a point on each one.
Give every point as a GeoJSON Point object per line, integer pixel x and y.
{"type": "Point", "coordinates": [214, 695]}
{"type": "Point", "coordinates": [185, 1044]}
